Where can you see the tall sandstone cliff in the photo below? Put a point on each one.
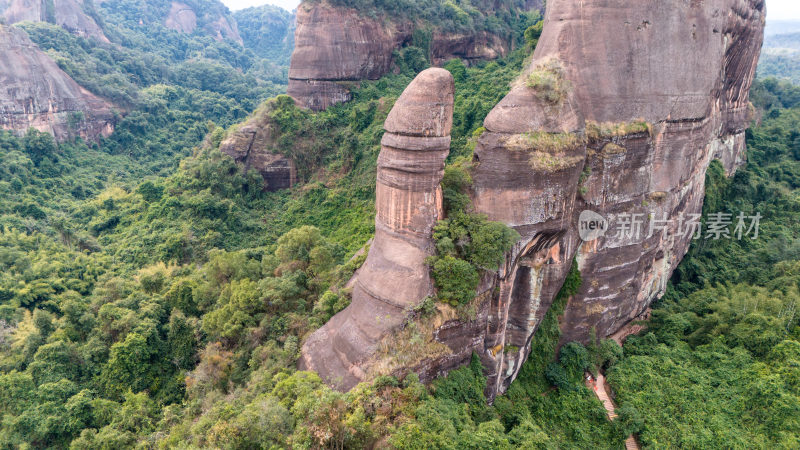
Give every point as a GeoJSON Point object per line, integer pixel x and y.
{"type": "Point", "coordinates": [337, 46]}
{"type": "Point", "coordinates": [35, 92]}
{"type": "Point", "coordinates": [621, 111]}
{"type": "Point", "coordinates": [69, 14]}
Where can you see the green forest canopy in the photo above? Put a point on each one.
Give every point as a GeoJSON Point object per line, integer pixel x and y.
{"type": "Point", "coordinates": [143, 304]}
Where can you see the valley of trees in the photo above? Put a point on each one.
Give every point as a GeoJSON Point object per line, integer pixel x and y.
{"type": "Point", "coordinates": [780, 57]}
{"type": "Point", "coordinates": [154, 296]}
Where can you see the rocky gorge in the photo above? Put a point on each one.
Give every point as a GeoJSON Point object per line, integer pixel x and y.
{"type": "Point", "coordinates": [620, 112]}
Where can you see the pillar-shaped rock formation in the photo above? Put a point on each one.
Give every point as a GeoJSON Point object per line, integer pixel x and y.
{"type": "Point", "coordinates": [409, 202]}
{"type": "Point", "coordinates": [619, 115]}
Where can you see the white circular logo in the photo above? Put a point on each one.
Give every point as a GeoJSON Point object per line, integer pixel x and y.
{"type": "Point", "coordinates": [591, 225]}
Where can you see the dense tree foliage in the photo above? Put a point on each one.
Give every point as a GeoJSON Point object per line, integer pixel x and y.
{"type": "Point", "coordinates": [268, 31]}
{"type": "Point", "coordinates": [780, 57]}
{"type": "Point", "coordinates": [146, 303]}
{"type": "Point", "coordinates": [499, 17]}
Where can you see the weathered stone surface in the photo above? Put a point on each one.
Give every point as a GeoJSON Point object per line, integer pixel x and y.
{"type": "Point", "coordinates": [181, 18]}
{"type": "Point", "coordinates": [253, 146]}
{"type": "Point", "coordinates": [652, 92]}
{"type": "Point", "coordinates": [470, 48]}
{"type": "Point", "coordinates": [184, 18]}
{"type": "Point", "coordinates": [34, 92]}
{"type": "Point", "coordinates": [681, 72]}
{"type": "Point", "coordinates": [69, 14]}
{"type": "Point", "coordinates": [394, 276]}
{"type": "Point", "coordinates": [338, 44]}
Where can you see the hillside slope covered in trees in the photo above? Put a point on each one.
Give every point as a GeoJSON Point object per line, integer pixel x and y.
{"type": "Point", "coordinates": [143, 304]}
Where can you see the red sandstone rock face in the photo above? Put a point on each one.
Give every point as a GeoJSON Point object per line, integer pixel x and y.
{"type": "Point", "coordinates": [669, 78]}
{"type": "Point", "coordinates": [335, 45]}
{"type": "Point", "coordinates": [253, 146]}
{"type": "Point", "coordinates": [34, 92]}
{"type": "Point", "coordinates": [409, 202]}
{"type": "Point", "coordinates": [67, 13]}
{"type": "Point", "coordinates": [683, 67]}
{"type": "Point", "coordinates": [183, 18]}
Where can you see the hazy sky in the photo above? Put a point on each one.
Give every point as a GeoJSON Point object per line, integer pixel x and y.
{"type": "Point", "coordinates": [777, 9]}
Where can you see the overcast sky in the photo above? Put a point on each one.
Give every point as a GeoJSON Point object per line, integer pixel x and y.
{"type": "Point", "coordinates": [777, 9]}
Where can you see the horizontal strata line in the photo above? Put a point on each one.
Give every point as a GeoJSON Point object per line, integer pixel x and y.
{"type": "Point", "coordinates": [420, 239]}
{"type": "Point", "coordinates": [391, 303]}
{"type": "Point", "coordinates": [415, 142]}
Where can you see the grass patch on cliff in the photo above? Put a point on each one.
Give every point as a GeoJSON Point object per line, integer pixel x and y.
{"type": "Point", "coordinates": [545, 142]}
{"type": "Point", "coordinates": [414, 343]}
{"type": "Point", "coordinates": [596, 131]}
{"type": "Point", "coordinates": [612, 149]}
{"type": "Point", "coordinates": [548, 81]}
{"type": "Point", "coordinates": [548, 151]}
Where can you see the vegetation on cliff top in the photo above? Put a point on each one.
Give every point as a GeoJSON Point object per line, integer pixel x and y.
{"type": "Point", "coordinates": [498, 17]}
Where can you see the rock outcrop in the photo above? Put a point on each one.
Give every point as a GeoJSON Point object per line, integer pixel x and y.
{"type": "Point", "coordinates": [35, 92]}
{"type": "Point", "coordinates": [217, 24]}
{"type": "Point", "coordinates": [621, 120]}
{"type": "Point", "coordinates": [336, 47]}
{"type": "Point", "coordinates": [252, 145]}
{"type": "Point", "coordinates": [394, 276]}
{"type": "Point", "coordinates": [69, 14]}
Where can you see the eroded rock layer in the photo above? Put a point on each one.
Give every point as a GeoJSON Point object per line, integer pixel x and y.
{"type": "Point", "coordinates": [253, 146]}
{"type": "Point", "coordinates": [394, 276]}
{"type": "Point", "coordinates": [620, 113]}
{"type": "Point", "coordinates": [70, 14]}
{"type": "Point", "coordinates": [35, 92]}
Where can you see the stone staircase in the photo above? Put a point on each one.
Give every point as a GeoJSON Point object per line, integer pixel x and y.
{"type": "Point", "coordinates": [600, 390]}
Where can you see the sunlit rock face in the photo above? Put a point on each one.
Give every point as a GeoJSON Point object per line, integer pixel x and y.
{"type": "Point", "coordinates": [69, 14]}
{"type": "Point", "coordinates": [621, 111]}
{"type": "Point", "coordinates": [409, 203]}
{"type": "Point", "coordinates": [35, 92]}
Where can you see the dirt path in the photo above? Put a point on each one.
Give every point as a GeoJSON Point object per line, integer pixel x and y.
{"type": "Point", "coordinates": [600, 389]}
